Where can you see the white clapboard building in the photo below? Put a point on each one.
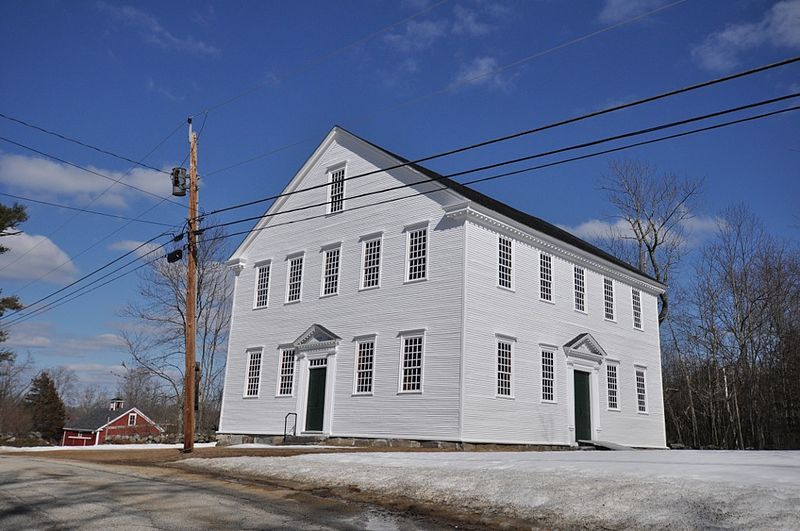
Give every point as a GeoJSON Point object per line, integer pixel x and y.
{"type": "Point", "coordinates": [430, 311]}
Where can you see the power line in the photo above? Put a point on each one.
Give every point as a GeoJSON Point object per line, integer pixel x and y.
{"type": "Point", "coordinates": [91, 287]}
{"type": "Point", "coordinates": [516, 172]}
{"type": "Point", "coordinates": [471, 79]}
{"type": "Point", "coordinates": [80, 142]}
{"type": "Point", "coordinates": [87, 211]}
{"type": "Point", "coordinates": [538, 129]}
{"type": "Point", "coordinates": [313, 62]}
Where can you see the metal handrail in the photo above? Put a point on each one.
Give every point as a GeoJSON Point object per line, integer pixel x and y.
{"type": "Point", "coordinates": [294, 425]}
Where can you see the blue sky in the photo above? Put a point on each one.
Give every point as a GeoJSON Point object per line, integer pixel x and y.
{"type": "Point", "coordinates": [123, 76]}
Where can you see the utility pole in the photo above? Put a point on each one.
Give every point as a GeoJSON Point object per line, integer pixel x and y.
{"type": "Point", "coordinates": [191, 299]}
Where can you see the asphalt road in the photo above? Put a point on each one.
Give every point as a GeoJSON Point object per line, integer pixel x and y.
{"type": "Point", "coordinates": [40, 493]}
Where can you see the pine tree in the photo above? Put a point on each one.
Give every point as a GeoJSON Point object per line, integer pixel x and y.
{"type": "Point", "coordinates": [10, 217]}
{"type": "Point", "coordinates": [46, 407]}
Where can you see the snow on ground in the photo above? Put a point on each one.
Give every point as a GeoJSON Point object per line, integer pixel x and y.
{"type": "Point", "coordinates": [676, 489]}
{"type": "Point", "coordinates": [293, 446]}
{"type": "Point", "coordinates": [143, 446]}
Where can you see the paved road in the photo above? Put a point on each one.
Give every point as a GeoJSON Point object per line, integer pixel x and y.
{"type": "Point", "coordinates": [40, 493]}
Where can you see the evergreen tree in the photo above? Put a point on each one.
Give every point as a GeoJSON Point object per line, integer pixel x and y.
{"type": "Point", "coordinates": [46, 407]}
{"type": "Point", "coordinates": [10, 217]}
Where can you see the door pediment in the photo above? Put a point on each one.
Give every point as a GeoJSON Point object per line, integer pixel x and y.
{"type": "Point", "coordinates": [317, 337]}
{"type": "Point", "coordinates": [586, 347]}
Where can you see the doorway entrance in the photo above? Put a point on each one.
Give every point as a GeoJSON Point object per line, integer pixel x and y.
{"type": "Point", "coordinates": [315, 408]}
{"type": "Point", "coordinates": [583, 415]}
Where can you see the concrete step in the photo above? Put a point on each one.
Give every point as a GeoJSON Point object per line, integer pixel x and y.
{"type": "Point", "coordinates": [304, 439]}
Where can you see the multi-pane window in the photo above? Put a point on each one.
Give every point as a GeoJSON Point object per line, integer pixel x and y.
{"type": "Point", "coordinates": [412, 363]}
{"type": "Point", "coordinates": [295, 285]}
{"type": "Point", "coordinates": [546, 277]}
{"type": "Point", "coordinates": [253, 381]}
{"type": "Point", "coordinates": [371, 268]}
{"type": "Point", "coordinates": [286, 382]}
{"type": "Point", "coordinates": [503, 368]}
{"type": "Point", "coordinates": [611, 382]}
{"type": "Point", "coordinates": [641, 391]}
{"type": "Point", "coordinates": [132, 419]}
{"type": "Point", "coordinates": [608, 298]}
{"type": "Point", "coordinates": [548, 376]}
{"type": "Point", "coordinates": [636, 300]}
{"type": "Point", "coordinates": [580, 289]}
{"type": "Point", "coordinates": [262, 286]}
{"type": "Point", "coordinates": [417, 254]}
{"type": "Point", "coordinates": [330, 278]}
{"type": "Point", "coordinates": [336, 203]}
{"type": "Point", "coordinates": [365, 364]}
{"type": "Point", "coordinates": [504, 262]}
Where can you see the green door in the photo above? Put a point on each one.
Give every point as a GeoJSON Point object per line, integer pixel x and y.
{"type": "Point", "coordinates": [315, 410]}
{"type": "Point", "coordinates": [583, 418]}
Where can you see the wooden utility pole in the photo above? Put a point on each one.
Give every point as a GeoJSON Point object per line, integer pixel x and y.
{"type": "Point", "coordinates": [191, 299]}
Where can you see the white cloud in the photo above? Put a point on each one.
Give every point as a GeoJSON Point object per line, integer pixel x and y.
{"type": "Point", "coordinates": [417, 35]}
{"type": "Point", "coordinates": [695, 229]}
{"type": "Point", "coordinates": [129, 245]}
{"type": "Point", "coordinates": [33, 256]}
{"type": "Point", "coordinates": [154, 33]}
{"type": "Point", "coordinates": [94, 343]}
{"type": "Point", "coordinates": [97, 373]}
{"type": "Point", "coordinates": [54, 180]}
{"type": "Point", "coordinates": [482, 71]}
{"type": "Point", "coordinates": [618, 10]}
{"type": "Point", "coordinates": [780, 27]}
{"type": "Point", "coordinates": [466, 23]}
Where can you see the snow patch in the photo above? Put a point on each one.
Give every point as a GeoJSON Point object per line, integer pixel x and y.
{"type": "Point", "coordinates": [154, 446]}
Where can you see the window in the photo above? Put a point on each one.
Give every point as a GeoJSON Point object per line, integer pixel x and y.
{"type": "Point", "coordinates": [611, 383]}
{"type": "Point", "coordinates": [412, 364]}
{"type": "Point", "coordinates": [330, 272]}
{"type": "Point", "coordinates": [503, 368]}
{"type": "Point", "coordinates": [546, 277]}
{"type": "Point", "coordinates": [580, 289]}
{"type": "Point", "coordinates": [336, 191]}
{"type": "Point", "coordinates": [417, 254]}
{"type": "Point", "coordinates": [636, 300]}
{"type": "Point", "coordinates": [365, 364]}
{"type": "Point", "coordinates": [262, 286]}
{"type": "Point", "coordinates": [294, 286]}
{"type": "Point", "coordinates": [608, 294]}
{"type": "Point", "coordinates": [371, 268]}
{"type": "Point", "coordinates": [286, 375]}
{"type": "Point", "coordinates": [132, 419]}
{"type": "Point", "coordinates": [505, 263]}
{"type": "Point", "coordinates": [253, 381]}
{"type": "Point", "coordinates": [548, 376]}
{"type": "Point", "coordinates": [641, 391]}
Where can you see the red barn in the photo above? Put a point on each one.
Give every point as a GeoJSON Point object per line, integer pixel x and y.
{"type": "Point", "coordinates": [107, 423]}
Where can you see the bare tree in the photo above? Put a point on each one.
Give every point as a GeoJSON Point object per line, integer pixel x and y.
{"type": "Point", "coordinates": [655, 208]}
{"type": "Point", "coordinates": [156, 342]}
{"type": "Point", "coordinates": [65, 381]}
{"type": "Point", "coordinates": [14, 383]}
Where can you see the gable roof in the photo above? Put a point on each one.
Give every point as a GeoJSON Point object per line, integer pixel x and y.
{"type": "Point", "coordinates": [526, 219]}
{"type": "Point", "coordinates": [98, 418]}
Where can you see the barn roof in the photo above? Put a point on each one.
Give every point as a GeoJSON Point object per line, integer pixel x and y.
{"type": "Point", "coordinates": [97, 418]}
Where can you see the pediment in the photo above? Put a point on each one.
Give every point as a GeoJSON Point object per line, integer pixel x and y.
{"type": "Point", "coordinates": [317, 336]}
{"type": "Point", "coordinates": [585, 346]}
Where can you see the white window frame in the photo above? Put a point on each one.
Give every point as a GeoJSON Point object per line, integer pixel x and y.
{"type": "Point", "coordinates": [409, 230]}
{"type": "Point", "coordinates": [330, 172]}
{"type": "Point", "coordinates": [406, 335]}
{"type": "Point", "coordinates": [546, 257]}
{"type": "Point", "coordinates": [553, 350]}
{"type": "Point", "coordinates": [512, 283]}
{"type": "Point", "coordinates": [636, 295]}
{"type": "Point", "coordinates": [613, 317]}
{"type": "Point", "coordinates": [265, 265]}
{"type": "Point", "coordinates": [511, 342]}
{"type": "Point", "coordinates": [641, 369]}
{"type": "Point", "coordinates": [615, 364]}
{"type": "Point", "coordinates": [325, 250]}
{"type": "Point", "coordinates": [282, 352]}
{"type": "Point", "coordinates": [132, 416]}
{"type": "Point", "coordinates": [289, 259]}
{"type": "Point", "coordinates": [356, 359]}
{"type": "Point", "coordinates": [362, 270]}
{"type": "Point", "coordinates": [575, 291]}
{"type": "Point", "coordinates": [247, 367]}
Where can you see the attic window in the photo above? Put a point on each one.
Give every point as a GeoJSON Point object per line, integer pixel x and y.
{"type": "Point", "coordinates": [132, 419]}
{"type": "Point", "coordinates": [336, 190]}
